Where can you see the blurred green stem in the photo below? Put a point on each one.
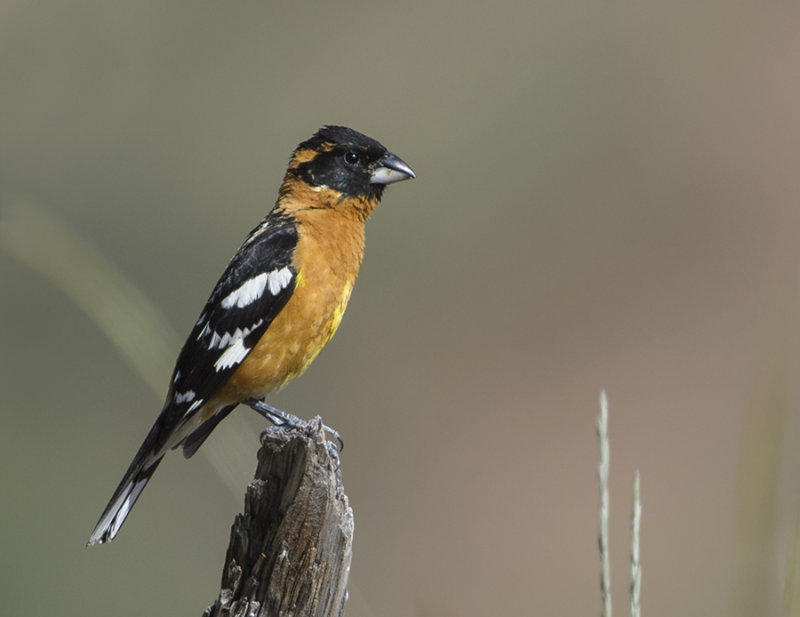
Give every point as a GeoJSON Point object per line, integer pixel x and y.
{"type": "Point", "coordinates": [130, 321]}
{"type": "Point", "coordinates": [126, 317]}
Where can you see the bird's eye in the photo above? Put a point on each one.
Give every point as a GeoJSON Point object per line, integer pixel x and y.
{"type": "Point", "coordinates": [351, 158]}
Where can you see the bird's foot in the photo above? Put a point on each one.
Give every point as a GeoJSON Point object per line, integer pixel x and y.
{"type": "Point", "coordinates": [281, 418]}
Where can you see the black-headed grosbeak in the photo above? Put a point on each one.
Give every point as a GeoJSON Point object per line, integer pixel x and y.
{"type": "Point", "coordinates": [277, 304]}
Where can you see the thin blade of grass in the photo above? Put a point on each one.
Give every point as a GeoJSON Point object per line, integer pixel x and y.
{"type": "Point", "coordinates": [602, 476]}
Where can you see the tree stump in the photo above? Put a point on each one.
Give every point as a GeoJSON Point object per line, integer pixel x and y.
{"type": "Point", "coordinates": [289, 552]}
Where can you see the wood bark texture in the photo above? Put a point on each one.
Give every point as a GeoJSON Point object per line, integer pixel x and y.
{"type": "Point", "coordinates": [289, 552]}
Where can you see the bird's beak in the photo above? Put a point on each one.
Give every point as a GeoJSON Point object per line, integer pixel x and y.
{"type": "Point", "coordinates": [390, 168]}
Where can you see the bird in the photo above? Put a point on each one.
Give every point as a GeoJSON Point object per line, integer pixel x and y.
{"type": "Point", "coordinates": [276, 305]}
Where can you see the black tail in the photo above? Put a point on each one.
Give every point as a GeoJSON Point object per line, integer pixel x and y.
{"type": "Point", "coordinates": [143, 466]}
{"type": "Point", "coordinates": [196, 438]}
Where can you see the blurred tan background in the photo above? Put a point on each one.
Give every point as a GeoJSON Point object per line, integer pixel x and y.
{"type": "Point", "coordinates": [607, 197]}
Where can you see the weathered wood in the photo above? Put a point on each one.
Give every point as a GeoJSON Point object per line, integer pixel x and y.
{"type": "Point", "coordinates": [289, 553]}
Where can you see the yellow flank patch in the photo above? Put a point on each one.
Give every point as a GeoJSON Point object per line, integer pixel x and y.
{"type": "Point", "coordinates": [333, 325]}
{"type": "Point", "coordinates": [338, 313]}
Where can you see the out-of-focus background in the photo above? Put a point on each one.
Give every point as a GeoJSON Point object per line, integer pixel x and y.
{"type": "Point", "coordinates": [607, 197]}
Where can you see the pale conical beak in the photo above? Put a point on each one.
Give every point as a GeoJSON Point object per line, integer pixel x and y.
{"type": "Point", "coordinates": [390, 168]}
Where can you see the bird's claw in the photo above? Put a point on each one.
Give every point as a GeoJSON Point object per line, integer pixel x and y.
{"type": "Point", "coordinates": [281, 418]}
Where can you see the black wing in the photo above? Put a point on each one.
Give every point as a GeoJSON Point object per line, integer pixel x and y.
{"type": "Point", "coordinates": [255, 286]}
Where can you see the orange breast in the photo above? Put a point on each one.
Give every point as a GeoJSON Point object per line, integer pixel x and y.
{"type": "Point", "coordinates": [327, 259]}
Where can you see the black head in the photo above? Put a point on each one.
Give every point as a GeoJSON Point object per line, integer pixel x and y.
{"type": "Point", "coordinates": [347, 161]}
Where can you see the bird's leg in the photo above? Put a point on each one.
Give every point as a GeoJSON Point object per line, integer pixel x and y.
{"type": "Point", "coordinates": [281, 418]}
{"type": "Point", "coordinates": [274, 415]}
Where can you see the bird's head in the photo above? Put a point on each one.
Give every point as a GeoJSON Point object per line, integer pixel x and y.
{"type": "Point", "coordinates": [345, 164]}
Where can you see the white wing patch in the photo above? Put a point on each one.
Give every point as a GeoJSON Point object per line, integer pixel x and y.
{"type": "Point", "coordinates": [227, 339]}
{"type": "Point", "coordinates": [247, 293]}
{"type": "Point", "coordinates": [206, 329]}
{"type": "Point", "coordinates": [279, 280]}
{"type": "Point", "coordinates": [183, 397]}
{"type": "Point", "coordinates": [232, 355]}
{"type": "Point", "coordinates": [252, 289]}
